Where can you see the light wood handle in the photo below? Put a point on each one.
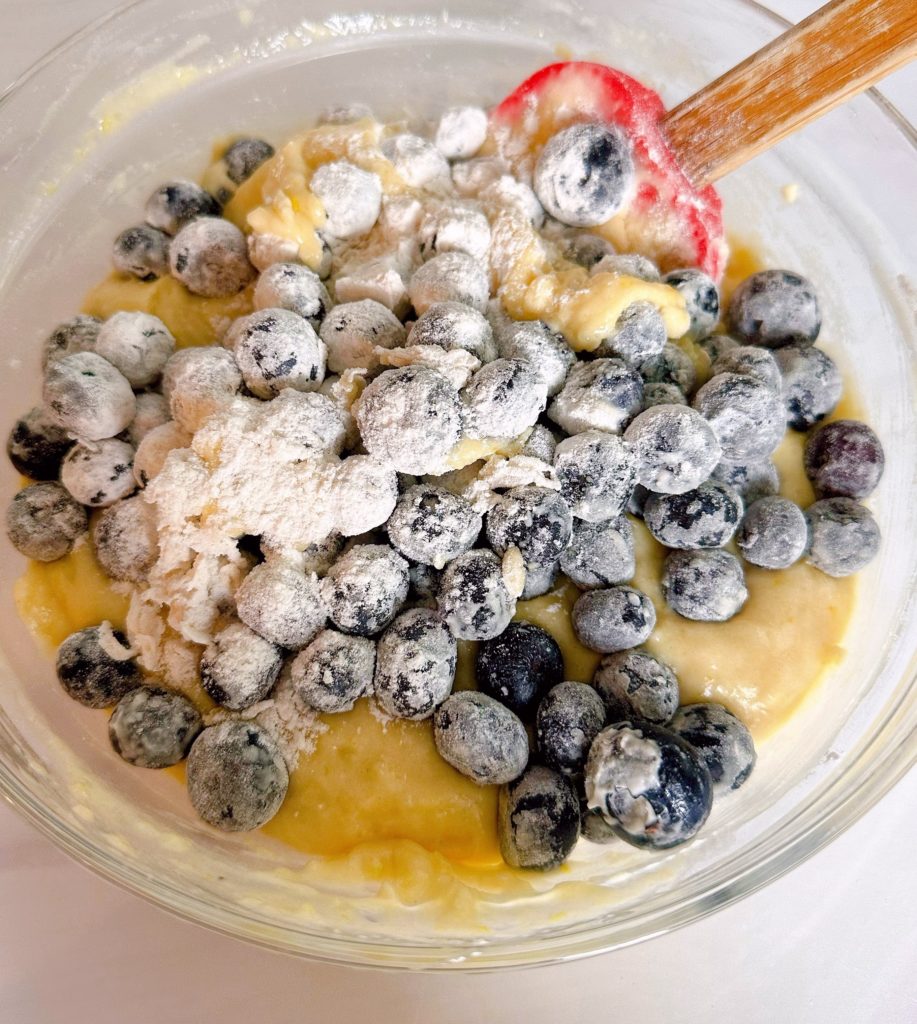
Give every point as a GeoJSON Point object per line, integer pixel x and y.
{"type": "Point", "coordinates": [841, 49]}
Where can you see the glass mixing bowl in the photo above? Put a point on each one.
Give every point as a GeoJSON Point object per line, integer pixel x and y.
{"type": "Point", "coordinates": [140, 95]}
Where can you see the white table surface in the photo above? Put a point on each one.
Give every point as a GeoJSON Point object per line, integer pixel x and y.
{"type": "Point", "coordinates": [834, 941]}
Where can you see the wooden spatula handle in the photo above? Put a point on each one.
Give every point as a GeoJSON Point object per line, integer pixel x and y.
{"type": "Point", "coordinates": [841, 49]}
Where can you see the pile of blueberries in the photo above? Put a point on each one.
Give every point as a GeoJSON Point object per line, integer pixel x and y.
{"type": "Point", "coordinates": [627, 431]}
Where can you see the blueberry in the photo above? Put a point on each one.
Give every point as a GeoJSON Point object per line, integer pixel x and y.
{"type": "Point", "coordinates": [584, 248]}
{"type": "Point", "coordinates": [237, 778]}
{"type": "Point", "coordinates": [746, 415]}
{"type": "Point", "coordinates": [137, 344]}
{"type": "Point", "coordinates": [600, 554]}
{"type": "Point", "coordinates": [628, 264]}
{"type": "Point", "coordinates": [452, 326]}
{"type": "Point", "coordinates": [637, 500]}
{"type": "Point", "coordinates": [474, 599]}
{"type": "Point", "coordinates": [538, 819]}
{"type": "Point", "coordinates": [365, 588]}
{"type": "Point", "coordinates": [99, 474]}
{"type": "Point", "coordinates": [85, 395]}
{"type": "Point", "coordinates": [639, 334]}
{"type": "Point", "coordinates": [535, 520]}
{"type": "Point", "coordinates": [597, 473]}
{"type": "Point", "coordinates": [504, 398]}
{"type": "Point", "coordinates": [812, 384]}
{"type": "Point", "coordinates": [569, 718]}
{"type": "Point", "coordinates": [843, 536]}
{"type": "Point", "coordinates": [278, 349]}
{"type": "Point", "coordinates": [671, 366]}
{"type": "Point", "coordinates": [141, 251]}
{"type": "Point", "coordinates": [775, 308]}
{"type": "Point", "coordinates": [653, 789]}
{"type": "Point", "coordinates": [210, 258]}
{"type": "Point", "coordinates": [481, 738]}
{"type": "Point", "coordinates": [125, 539]}
{"type": "Point", "coordinates": [295, 288]}
{"type": "Point", "coordinates": [239, 668]}
{"type": "Point", "coordinates": [410, 418]}
{"type": "Point", "coordinates": [334, 671]}
{"type": "Point", "coordinates": [74, 335]}
{"type": "Point", "coordinates": [450, 277]}
{"type": "Point", "coordinates": [281, 604]}
{"type": "Point", "coordinates": [432, 526]}
{"type": "Point", "coordinates": [635, 686]}
{"type": "Point", "coordinates": [43, 522]}
{"type": "Point", "coordinates": [613, 619]}
{"type": "Point", "coordinates": [702, 300]}
{"type": "Point", "coordinates": [706, 517]}
{"type": "Point", "coordinates": [722, 741]}
{"type": "Point", "coordinates": [352, 330]}
{"type": "Point", "coordinates": [415, 665]}
{"type": "Point", "coordinates": [153, 728]}
{"type": "Point", "coordinates": [584, 174]}
{"type": "Point", "coordinates": [594, 827]}
{"type": "Point", "coordinates": [707, 586]}
{"type": "Point", "coordinates": [716, 345]}
{"type": "Point", "coordinates": [753, 362]}
{"type": "Point", "coordinates": [244, 157]}
{"type": "Point", "coordinates": [532, 341]}
{"type": "Point", "coordinates": [751, 480]}
{"type": "Point", "coordinates": [676, 448]}
{"type": "Point", "coordinates": [177, 203]}
{"type": "Point", "coordinates": [518, 667]}
{"type": "Point", "coordinates": [773, 533]}
{"type": "Point", "coordinates": [540, 444]}
{"type": "Point", "coordinates": [663, 394]}
{"type": "Point", "coordinates": [95, 666]}
{"type": "Point", "coordinates": [37, 445]}
{"type": "Point", "coordinates": [602, 394]}
{"type": "Point", "coordinates": [350, 197]}
{"type": "Point", "coordinates": [425, 583]}
{"type": "Point", "coordinates": [844, 459]}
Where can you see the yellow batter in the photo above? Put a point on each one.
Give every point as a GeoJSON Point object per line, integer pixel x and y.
{"type": "Point", "coordinates": [375, 796]}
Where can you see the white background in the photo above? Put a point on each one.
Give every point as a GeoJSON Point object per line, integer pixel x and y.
{"type": "Point", "coordinates": [835, 941]}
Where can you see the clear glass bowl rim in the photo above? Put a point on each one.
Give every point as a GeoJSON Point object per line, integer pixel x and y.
{"type": "Point", "coordinates": [799, 842]}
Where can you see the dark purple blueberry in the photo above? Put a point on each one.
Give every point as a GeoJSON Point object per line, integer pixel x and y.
{"type": "Point", "coordinates": [334, 671]}
{"type": "Point", "coordinates": [844, 459]}
{"type": "Point", "coordinates": [672, 366]}
{"type": "Point", "coordinates": [210, 258]}
{"type": "Point", "coordinates": [37, 445]}
{"type": "Point", "coordinates": [635, 686]}
{"type": "Point", "coordinates": [244, 157]}
{"type": "Point", "coordinates": [43, 521]}
{"type": "Point", "coordinates": [774, 308]}
{"type": "Point", "coordinates": [600, 554]}
{"type": "Point", "coordinates": [585, 248]}
{"type": "Point", "coordinates": [239, 668]}
{"type": "Point", "coordinates": [425, 583]}
{"type": "Point", "coordinates": [453, 326]}
{"type": "Point", "coordinates": [584, 173]}
{"type": "Point", "coordinates": [518, 667]}
{"type": "Point", "coordinates": [415, 665]}
{"type": "Point", "coordinates": [142, 251]}
{"type": "Point", "coordinates": [538, 819]}
{"type": "Point", "coordinates": [281, 604]}
{"type": "Point", "coordinates": [481, 738]}
{"type": "Point", "coordinates": [707, 586]}
{"type": "Point", "coordinates": [653, 789]}
{"type": "Point", "coordinates": [722, 741]}
{"type": "Point", "coordinates": [177, 203]}
{"type": "Point", "coordinates": [77, 334]}
{"type": "Point", "coordinates": [96, 667]}
{"type": "Point", "coordinates": [702, 300]}
{"type": "Point", "coordinates": [432, 526]}
{"type": "Point", "coordinates": [596, 472]}
{"type": "Point", "coordinates": [751, 480]}
{"type": "Point", "coordinates": [569, 718]}
{"type": "Point", "coordinates": [278, 349]}
{"type": "Point", "coordinates": [602, 394]}
{"type": "Point", "coordinates": [365, 588]}
{"type": "Point", "coordinates": [639, 334]}
{"type": "Point", "coordinates": [614, 619]}
{"type": "Point", "coordinates": [746, 415]}
{"type": "Point", "coordinates": [535, 520]}
{"type": "Point", "coordinates": [773, 533]}
{"type": "Point", "coordinates": [812, 384]}
{"type": "Point", "coordinates": [676, 448]}
{"type": "Point", "coordinates": [663, 394]}
{"type": "Point", "coordinates": [153, 728]}
{"type": "Point", "coordinates": [706, 517]}
{"type": "Point", "coordinates": [473, 599]}
{"type": "Point", "coordinates": [237, 778]}
{"type": "Point", "coordinates": [843, 536]}
{"type": "Point", "coordinates": [716, 345]}
{"type": "Point", "coordinates": [753, 362]}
